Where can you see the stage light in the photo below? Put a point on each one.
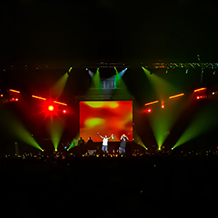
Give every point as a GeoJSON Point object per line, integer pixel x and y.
{"type": "Point", "coordinates": [51, 108]}
{"type": "Point", "coordinates": [57, 102]}
{"type": "Point", "coordinates": [198, 97]}
{"type": "Point", "coordinates": [64, 111]}
{"type": "Point", "coordinates": [34, 96]}
{"type": "Point", "coordinates": [122, 72]}
{"type": "Point", "coordinates": [68, 73]}
{"type": "Point", "coordinates": [201, 89]}
{"type": "Point", "coordinates": [186, 71]}
{"type": "Point", "coordinates": [162, 106]}
{"type": "Point", "coordinates": [153, 102]}
{"type": "Point", "coordinates": [14, 99]}
{"type": "Point", "coordinates": [166, 71]}
{"type": "Point", "coordinates": [1, 95]}
{"type": "Point", "coordinates": [12, 90]}
{"type": "Point", "coordinates": [176, 96]}
{"type": "Point", "coordinates": [213, 93]}
{"type": "Point", "coordinates": [148, 110]}
{"type": "Point", "coordinates": [90, 73]}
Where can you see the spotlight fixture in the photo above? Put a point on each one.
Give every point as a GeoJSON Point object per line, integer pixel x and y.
{"type": "Point", "coordinates": [68, 72]}
{"type": "Point", "coordinates": [148, 110]}
{"type": "Point", "coordinates": [201, 89]}
{"type": "Point", "coordinates": [50, 107]}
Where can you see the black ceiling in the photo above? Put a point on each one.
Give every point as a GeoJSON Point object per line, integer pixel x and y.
{"type": "Point", "coordinates": [52, 32]}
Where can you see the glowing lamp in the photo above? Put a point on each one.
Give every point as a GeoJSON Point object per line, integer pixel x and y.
{"type": "Point", "coordinates": [149, 110]}
{"type": "Point", "coordinates": [50, 108]}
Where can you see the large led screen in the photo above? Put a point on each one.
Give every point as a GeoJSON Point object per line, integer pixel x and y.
{"type": "Point", "coordinates": [107, 118]}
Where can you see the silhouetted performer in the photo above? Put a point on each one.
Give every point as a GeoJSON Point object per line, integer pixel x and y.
{"type": "Point", "coordinates": [105, 142]}
{"type": "Point", "coordinates": [89, 143]}
{"type": "Point", "coordinates": [81, 143]}
{"type": "Point", "coordinates": [122, 148]}
{"type": "Point", "coordinates": [90, 140]}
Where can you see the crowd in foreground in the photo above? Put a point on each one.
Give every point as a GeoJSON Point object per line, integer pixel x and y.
{"type": "Point", "coordinates": [161, 184]}
{"type": "Point", "coordinates": [69, 155]}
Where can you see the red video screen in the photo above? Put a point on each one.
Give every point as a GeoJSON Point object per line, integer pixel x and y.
{"type": "Point", "coordinates": [107, 118]}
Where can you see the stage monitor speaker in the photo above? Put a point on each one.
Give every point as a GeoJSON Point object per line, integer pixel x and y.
{"type": "Point", "coordinates": [91, 152]}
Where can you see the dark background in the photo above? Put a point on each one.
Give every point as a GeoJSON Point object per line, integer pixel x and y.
{"type": "Point", "coordinates": [63, 32]}
{"type": "Point", "coordinates": [40, 40]}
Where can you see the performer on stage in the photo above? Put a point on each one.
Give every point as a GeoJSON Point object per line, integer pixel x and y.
{"type": "Point", "coordinates": [89, 140]}
{"type": "Point", "coordinates": [81, 143]}
{"type": "Point", "coordinates": [123, 140]}
{"type": "Point", "coordinates": [89, 143]}
{"type": "Point", "coordinates": [105, 142]}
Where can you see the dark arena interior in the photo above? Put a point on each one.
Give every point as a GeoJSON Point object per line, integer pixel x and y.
{"type": "Point", "coordinates": [108, 108]}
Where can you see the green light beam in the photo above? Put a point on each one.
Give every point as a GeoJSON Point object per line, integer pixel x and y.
{"type": "Point", "coordinates": [17, 129]}
{"type": "Point", "coordinates": [56, 128]}
{"type": "Point", "coordinates": [162, 88]}
{"type": "Point", "coordinates": [202, 122]}
{"type": "Point", "coordinates": [117, 77]}
{"type": "Point", "coordinates": [97, 80]}
{"type": "Point", "coordinates": [121, 87]}
{"type": "Point", "coordinates": [96, 85]}
{"type": "Point", "coordinates": [163, 119]}
{"type": "Point", "coordinates": [138, 140]}
{"type": "Point", "coordinates": [58, 88]}
{"type": "Point", "coordinates": [74, 142]}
